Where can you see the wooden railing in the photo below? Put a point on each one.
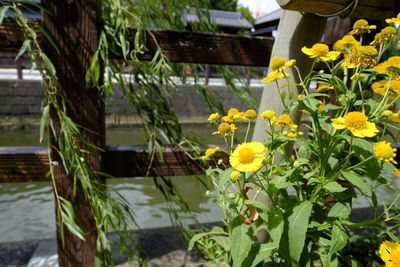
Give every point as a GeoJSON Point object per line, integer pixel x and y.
{"type": "Point", "coordinates": [23, 164]}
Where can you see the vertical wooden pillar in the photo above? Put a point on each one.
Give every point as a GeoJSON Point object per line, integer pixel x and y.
{"type": "Point", "coordinates": [73, 26]}
{"type": "Point", "coordinates": [18, 64]}
{"type": "Point", "coordinates": [295, 31]}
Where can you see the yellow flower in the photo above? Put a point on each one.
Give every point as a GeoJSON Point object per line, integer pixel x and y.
{"type": "Point", "coordinates": [277, 64]}
{"type": "Point", "coordinates": [235, 175]}
{"type": "Point", "coordinates": [231, 195]}
{"type": "Point", "coordinates": [395, 117]}
{"type": "Point", "coordinates": [394, 20]}
{"type": "Point", "coordinates": [385, 152]}
{"type": "Point", "coordinates": [248, 156]}
{"type": "Point", "coordinates": [284, 120]}
{"type": "Point", "coordinates": [361, 26]}
{"type": "Point", "coordinates": [233, 127]}
{"type": "Point", "coordinates": [357, 76]}
{"type": "Point", "coordinates": [290, 63]}
{"type": "Point", "coordinates": [250, 114]}
{"type": "Point", "coordinates": [227, 119]}
{"type": "Point", "coordinates": [224, 128]}
{"type": "Point", "coordinates": [323, 87]}
{"type": "Point", "coordinates": [347, 43]}
{"type": "Point", "coordinates": [380, 87]}
{"type": "Point", "coordinates": [232, 112]}
{"type": "Point", "coordinates": [273, 76]}
{"type": "Point", "coordinates": [396, 172]}
{"type": "Point", "coordinates": [291, 134]}
{"type": "Point", "coordinates": [390, 253]}
{"type": "Point", "coordinates": [387, 35]}
{"type": "Point", "coordinates": [390, 67]}
{"type": "Point", "coordinates": [357, 123]}
{"type": "Point", "coordinates": [320, 107]}
{"type": "Point", "coordinates": [238, 116]}
{"type": "Point", "coordinates": [268, 114]}
{"type": "Point", "coordinates": [209, 152]}
{"type": "Point", "coordinates": [213, 117]}
{"type": "Point", "coordinates": [320, 51]}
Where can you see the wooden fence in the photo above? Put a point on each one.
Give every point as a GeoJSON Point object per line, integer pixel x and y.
{"type": "Point", "coordinates": [77, 41]}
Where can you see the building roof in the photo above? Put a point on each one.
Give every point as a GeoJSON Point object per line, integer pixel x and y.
{"type": "Point", "coordinates": [29, 12]}
{"type": "Point", "coordinates": [272, 16]}
{"type": "Point", "coordinates": [221, 18]}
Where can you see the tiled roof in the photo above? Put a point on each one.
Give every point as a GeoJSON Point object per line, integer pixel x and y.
{"type": "Point", "coordinates": [274, 15]}
{"type": "Point", "coordinates": [221, 18]}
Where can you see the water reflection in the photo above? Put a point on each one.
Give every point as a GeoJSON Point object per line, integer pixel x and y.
{"type": "Point", "coordinates": [27, 209]}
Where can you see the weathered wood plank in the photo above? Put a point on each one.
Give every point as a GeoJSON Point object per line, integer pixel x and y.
{"type": "Point", "coordinates": [31, 164]}
{"type": "Point", "coordinates": [178, 46]}
{"type": "Point", "coordinates": [207, 48]}
{"type": "Point", "coordinates": [368, 9]}
{"type": "Point", "coordinates": [73, 26]}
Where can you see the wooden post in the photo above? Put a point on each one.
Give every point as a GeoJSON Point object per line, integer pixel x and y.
{"type": "Point", "coordinates": [18, 64]}
{"type": "Point", "coordinates": [367, 9]}
{"type": "Point", "coordinates": [73, 27]}
{"type": "Point", "coordinates": [295, 31]}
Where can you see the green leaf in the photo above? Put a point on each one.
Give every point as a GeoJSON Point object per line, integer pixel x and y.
{"type": "Point", "coordinates": [334, 187]}
{"type": "Point", "coordinates": [48, 65]}
{"type": "Point", "coordinates": [23, 48]}
{"type": "Point", "coordinates": [339, 239]}
{"type": "Point", "coordinates": [340, 210]}
{"type": "Point", "coordinates": [224, 178]}
{"type": "Point", "coordinates": [357, 181]}
{"type": "Point", "coordinates": [257, 204]}
{"type": "Point", "coordinates": [241, 241]}
{"type": "Point", "coordinates": [298, 223]}
{"type": "Point", "coordinates": [275, 225]}
{"type": "Point", "coordinates": [283, 95]}
{"type": "Point", "coordinates": [3, 10]}
{"type": "Point", "coordinates": [43, 122]}
{"type": "Point", "coordinates": [223, 241]}
{"type": "Point", "coordinates": [197, 237]}
{"type": "Point", "coordinates": [364, 149]}
{"type": "Point", "coordinates": [258, 253]}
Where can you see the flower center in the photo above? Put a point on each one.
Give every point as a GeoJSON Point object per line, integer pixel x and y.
{"type": "Point", "coordinates": [284, 119]}
{"type": "Point", "coordinates": [232, 112]}
{"type": "Point", "coordinates": [277, 63]}
{"type": "Point", "coordinates": [360, 24]}
{"type": "Point", "coordinates": [250, 114]}
{"type": "Point", "coordinates": [349, 39]}
{"type": "Point", "coordinates": [320, 49]}
{"type": "Point", "coordinates": [246, 155]}
{"type": "Point", "coordinates": [389, 30]}
{"type": "Point", "coordinates": [355, 120]}
{"type": "Point", "coordinates": [384, 150]}
{"type": "Point", "coordinates": [224, 128]}
{"type": "Point", "coordinates": [367, 51]}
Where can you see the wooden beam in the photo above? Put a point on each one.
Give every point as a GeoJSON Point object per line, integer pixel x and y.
{"type": "Point", "coordinates": [178, 46]}
{"type": "Point", "coordinates": [367, 9]}
{"type": "Point", "coordinates": [73, 26]}
{"type": "Point", "coordinates": [31, 164]}
{"type": "Point", "coordinates": [209, 48]}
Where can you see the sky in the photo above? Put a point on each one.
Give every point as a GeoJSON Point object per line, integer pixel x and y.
{"type": "Point", "coordinates": [259, 7]}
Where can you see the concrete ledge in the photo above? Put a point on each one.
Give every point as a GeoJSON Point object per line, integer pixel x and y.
{"type": "Point", "coordinates": [157, 244]}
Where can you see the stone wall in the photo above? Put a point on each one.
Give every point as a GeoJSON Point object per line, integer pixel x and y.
{"type": "Point", "coordinates": [24, 98]}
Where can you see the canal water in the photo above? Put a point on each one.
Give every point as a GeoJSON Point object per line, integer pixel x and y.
{"type": "Point", "coordinates": [27, 209]}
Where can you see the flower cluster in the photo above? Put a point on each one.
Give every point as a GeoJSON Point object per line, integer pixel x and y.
{"type": "Point", "coordinates": [311, 169]}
